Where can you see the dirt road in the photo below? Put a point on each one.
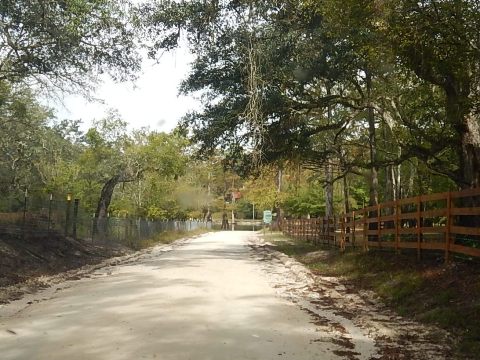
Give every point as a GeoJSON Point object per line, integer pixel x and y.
{"type": "Point", "coordinates": [208, 298]}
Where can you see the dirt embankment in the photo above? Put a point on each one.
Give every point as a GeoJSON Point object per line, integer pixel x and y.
{"type": "Point", "coordinates": [25, 262]}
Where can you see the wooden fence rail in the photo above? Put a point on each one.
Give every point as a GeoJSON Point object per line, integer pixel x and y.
{"type": "Point", "coordinates": [448, 222]}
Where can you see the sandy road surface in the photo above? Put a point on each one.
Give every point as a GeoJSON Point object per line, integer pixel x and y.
{"type": "Point", "coordinates": [208, 298]}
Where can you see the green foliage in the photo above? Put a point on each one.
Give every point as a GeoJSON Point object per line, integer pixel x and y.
{"type": "Point", "coordinates": [66, 42]}
{"type": "Point", "coordinates": [349, 83]}
{"type": "Point", "coordinates": [307, 201]}
{"type": "Point", "coordinates": [112, 153]}
{"type": "Point", "coordinates": [262, 190]}
{"type": "Point", "coordinates": [27, 144]}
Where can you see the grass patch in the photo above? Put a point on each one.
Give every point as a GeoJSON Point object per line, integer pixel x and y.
{"type": "Point", "coordinates": [426, 290]}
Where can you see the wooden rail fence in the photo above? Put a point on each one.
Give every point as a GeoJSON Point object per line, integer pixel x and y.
{"type": "Point", "coordinates": [448, 222]}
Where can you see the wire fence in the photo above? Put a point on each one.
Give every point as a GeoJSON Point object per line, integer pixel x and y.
{"type": "Point", "coordinates": [41, 217]}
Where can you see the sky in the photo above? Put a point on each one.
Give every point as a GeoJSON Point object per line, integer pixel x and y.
{"type": "Point", "coordinates": [151, 101]}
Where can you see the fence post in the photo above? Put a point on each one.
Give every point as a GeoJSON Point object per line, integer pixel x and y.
{"type": "Point", "coordinates": [25, 204]}
{"type": "Point", "coordinates": [342, 229]}
{"type": "Point", "coordinates": [93, 229]}
{"type": "Point", "coordinates": [328, 230]}
{"type": "Point", "coordinates": [309, 230]}
{"type": "Point", "coordinates": [305, 229]}
{"type": "Point", "coordinates": [49, 213]}
{"type": "Point", "coordinates": [302, 229]}
{"type": "Point", "coordinates": [67, 212]}
{"type": "Point", "coordinates": [448, 228]}
{"type": "Point", "coordinates": [379, 226]}
{"type": "Point", "coordinates": [336, 224]}
{"type": "Point", "coordinates": [297, 229]}
{"type": "Point", "coordinates": [75, 216]}
{"type": "Point", "coordinates": [353, 231]}
{"type": "Point", "coordinates": [365, 229]}
{"type": "Point", "coordinates": [139, 230]}
{"type": "Point", "coordinates": [397, 226]}
{"type": "Point", "coordinates": [419, 226]}
{"type": "Point", "coordinates": [323, 230]}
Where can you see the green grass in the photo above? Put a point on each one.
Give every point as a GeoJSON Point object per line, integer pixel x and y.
{"type": "Point", "coordinates": [426, 290]}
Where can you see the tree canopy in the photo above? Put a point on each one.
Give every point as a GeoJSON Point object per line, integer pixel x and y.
{"type": "Point", "coordinates": [354, 87]}
{"type": "Point", "coordinates": [66, 43]}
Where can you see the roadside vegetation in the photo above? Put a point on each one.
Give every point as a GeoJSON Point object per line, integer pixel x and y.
{"type": "Point", "coordinates": [168, 237]}
{"type": "Point", "coordinates": [429, 291]}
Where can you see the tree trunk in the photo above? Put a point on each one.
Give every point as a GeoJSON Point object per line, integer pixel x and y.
{"type": "Point", "coordinates": [388, 183]}
{"type": "Point", "coordinates": [346, 190]}
{"type": "Point", "coordinates": [329, 170]}
{"type": "Point", "coordinates": [470, 157]}
{"type": "Point", "coordinates": [466, 124]}
{"type": "Point", "coordinates": [397, 175]}
{"type": "Point", "coordinates": [390, 187]}
{"type": "Point", "coordinates": [328, 189]}
{"type": "Point", "coordinates": [411, 191]}
{"type": "Point", "coordinates": [373, 156]}
{"type": "Point", "coordinates": [277, 225]}
{"type": "Point", "coordinates": [103, 204]}
{"type": "Point", "coordinates": [346, 194]}
{"type": "Point", "coordinates": [459, 113]}
{"type": "Point", "coordinates": [372, 145]}
{"type": "Point", "coordinates": [394, 183]}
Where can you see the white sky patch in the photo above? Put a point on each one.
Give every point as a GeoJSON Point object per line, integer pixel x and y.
{"type": "Point", "coordinates": [151, 101]}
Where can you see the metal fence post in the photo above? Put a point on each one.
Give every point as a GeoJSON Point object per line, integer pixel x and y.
{"type": "Point", "coordinates": [93, 228]}
{"type": "Point", "coordinates": [75, 216]}
{"type": "Point", "coordinates": [25, 204]}
{"type": "Point", "coordinates": [49, 213]}
{"type": "Point", "coordinates": [67, 212]}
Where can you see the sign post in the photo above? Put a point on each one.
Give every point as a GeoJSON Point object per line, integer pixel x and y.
{"type": "Point", "coordinates": [267, 218]}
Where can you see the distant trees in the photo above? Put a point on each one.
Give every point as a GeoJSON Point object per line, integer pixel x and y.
{"type": "Point", "coordinates": [24, 139]}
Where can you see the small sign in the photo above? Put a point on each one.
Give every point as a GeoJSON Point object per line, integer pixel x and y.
{"type": "Point", "coordinates": [267, 216]}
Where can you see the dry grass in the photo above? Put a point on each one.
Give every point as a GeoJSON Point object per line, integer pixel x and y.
{"type": "Point", "coordinates": [168, 237]}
